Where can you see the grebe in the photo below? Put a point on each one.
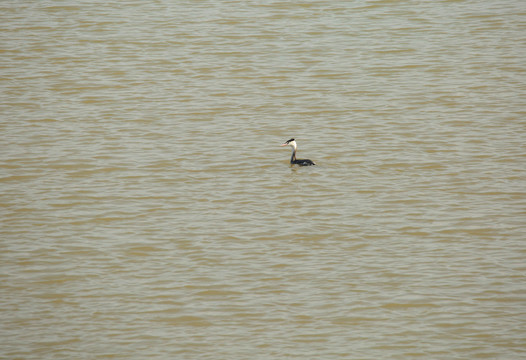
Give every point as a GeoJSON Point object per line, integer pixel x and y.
{"type": "Point", "coordinates": [293, 160]}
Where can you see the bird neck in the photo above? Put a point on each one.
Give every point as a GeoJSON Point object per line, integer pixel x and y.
{"type": "Point", "coordinates": [293, 157]}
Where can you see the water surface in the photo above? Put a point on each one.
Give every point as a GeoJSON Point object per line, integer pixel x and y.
{"type": "Point", "coordinates": [147, 210]}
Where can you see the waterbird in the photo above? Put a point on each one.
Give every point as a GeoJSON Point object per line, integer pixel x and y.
{"type": "Point", "coordinates": [293, 160]}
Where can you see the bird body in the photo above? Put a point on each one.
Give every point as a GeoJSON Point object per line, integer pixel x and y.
{"type": "Point", "coordinates": [293, 160]}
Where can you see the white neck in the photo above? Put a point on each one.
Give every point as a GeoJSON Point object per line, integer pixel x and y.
{"type": "Point", "coordinates": [293, 146]}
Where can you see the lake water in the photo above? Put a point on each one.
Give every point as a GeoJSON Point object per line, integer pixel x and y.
{"type": "Point", "coordinates": [148, 212]}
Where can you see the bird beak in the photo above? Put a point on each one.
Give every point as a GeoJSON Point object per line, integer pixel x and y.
{"type": "Point", "coordinates": [284, 144]}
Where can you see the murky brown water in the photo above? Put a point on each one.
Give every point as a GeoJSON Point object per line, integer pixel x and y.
{"type": "Point", "coordinates": [147, 211]}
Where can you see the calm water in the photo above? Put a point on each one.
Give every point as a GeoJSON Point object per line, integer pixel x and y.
{"type": "Point", "coordinates": [147, 211]}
